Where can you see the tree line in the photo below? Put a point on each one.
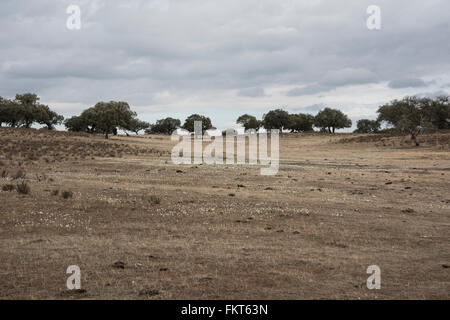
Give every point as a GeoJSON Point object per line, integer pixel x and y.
{"type": "Point", "coordinates": [411, 115]}
{"type": "Point", "coordinates": [25, 110]}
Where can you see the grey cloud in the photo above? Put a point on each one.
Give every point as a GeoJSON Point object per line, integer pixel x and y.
{"type": "Point", "coordinates": [132, 51]}
{"type": "Point", "coordinates": [434, 94]}
{"type": "Point", "coordinates": [336, 78]}
{"type": "Point", "coordinates": [252, 92]}
{"type": "Point", "coordinates": [407, 83]}
{"type": "Point", "coordinates": [306, 90]}
{"type": "Point", "coordinates": [309, 109]}
{"type": "Point", "coordinates": [348, 76]}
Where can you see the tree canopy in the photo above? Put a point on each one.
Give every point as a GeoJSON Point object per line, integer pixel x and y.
{"type": "Point", "coordinates": [332, 119]}
{"type": "Point", "coordinates": [367, 126]}
{"type": "Point", "coordinates": [164, 126]}
{"type": "Point", "coordinates": [249, 122]}
{"type": "Point", "coordinates": [135, 125]}
{"type": "Point", "coordinates": [104, 117]}
{"type": "Point", "coordinates": [414, 115]}
{"type": "Point", "coordinates": [25, 110]}
{"type": "Point", "coordinates": [189, 123]}
{"type": "Point", "coordinates": [301, 122]}
{"type": "Point", "coordinates": [276, 119]}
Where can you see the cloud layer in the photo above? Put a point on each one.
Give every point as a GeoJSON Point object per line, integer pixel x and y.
{"type": "Point", "coordinates": [223, 58]}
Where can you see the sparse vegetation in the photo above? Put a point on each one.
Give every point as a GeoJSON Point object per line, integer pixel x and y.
{"type": "Point", "coordinates": [8, 187]}
{"type": "Point", "coordinates": [23, 188]}
{"type": "Point", "coordinates": [19, 175]}
{"type": "Point", "coordinates": [344, 199]}
{"type": "Point", "coordinates": [66, 194]}
{"type": "Point", "coordinates": [155, 200]}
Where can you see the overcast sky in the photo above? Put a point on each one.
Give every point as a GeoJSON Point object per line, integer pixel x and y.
{"type": "Point", "coordinates": [224, 58]}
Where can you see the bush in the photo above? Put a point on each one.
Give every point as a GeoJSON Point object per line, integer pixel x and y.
{"type": "Point", "coordinates": [67, 194]}
{"type": "Point", "coordinates": [155, 200]}
{"type": "Point", "coordinates": [23, 188]}
{"type": "Point", "coordinates": [19, 175]}
{"type": "Point", "coordinates": [8, 187]}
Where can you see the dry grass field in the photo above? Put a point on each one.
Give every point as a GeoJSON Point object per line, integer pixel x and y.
{"type": "Point", "coordinates": [141, 227]}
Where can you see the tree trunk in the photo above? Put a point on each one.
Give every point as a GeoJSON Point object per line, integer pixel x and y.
{"type": "Point", "coordinates": [414, 138]}
{"type": "Point", "coordinates": [106, 135]}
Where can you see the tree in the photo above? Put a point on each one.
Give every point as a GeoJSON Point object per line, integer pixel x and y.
{"type": "Point", "coordinates": [404, 115]}
{"type": "Point", "coordinates": [108, 116]}
{"type": "Point", "coordinates": [436, 111]}
{"type": "Point", "coordinates": [367, 126]}
{"type": "Point", "coordinates": [25, 109]}
{"type": "Point", "coordinates": [276, 119]}
{"type": "Point", "coordinates": [47, 117]}
{"type": "Point", "coordinates": [230, 132]}
{"type": "Point", "coordinates": [76, 123]}
{"type": "Point", "coordinates": [189, 123]}
{"type": "Point", "coordinates": [5, 111]}
{"type": "Point", "coordinates": [249, 122]}
{"type": "Point", "coordinates": [301, 122]}
{"type": "Point", "coordinates": [331, 119]}
{"type": "Point", "coordinates": [29, 110]}
{"type": "Point", "coordinates": [164, 126]}
{"type": "Point", "coordinates": [137, 125]}
{"type": "Point", "coordinates": [104, 117]}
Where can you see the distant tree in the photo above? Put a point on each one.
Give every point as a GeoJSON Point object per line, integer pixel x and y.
{"type": "Point", "coordinates": [189, 123]}
{"type": "Point", "coordinates": [436, 111]}
{"type": "Point", "coordinates": [76, 123]}
{"type": "Point", "coordinates": [48, 117]}
{"type": "Point", "coordinates": [4, 111]}
{"type": "Point", "coordinates": [404, 115]}
{"type": "Point", "coordinates": [276, 119]}
{"type": "Point", "coordinates": [301, 122]}
{"type": "Point", "coordinates": [231, 132]}
{"type": "Point", "coordinates": [29, 111]}
{"type": "Point", "coordinates": [164, 126]}
{"type": "Point", "coordinates": [331, 119]}
{"type": "Point", "coordinates": [367, 126]}
{"type": "Point", "coordinates": [135, 125]}
{"type": "Point", "coordinates": [13, 113]}
{"type": "Point", "coordinates": [249, 122]}
{"type": "Point", "coordinates": [108, 116]}
{"type": "Point", "coordinates": [104, 117]}
{"type": "Point", "coordinates": [25, 109]}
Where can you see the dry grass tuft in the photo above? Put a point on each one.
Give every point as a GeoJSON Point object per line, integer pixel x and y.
{"type": "Point", "coordinates": [23, 188]}
{"type": "Point", "coordinates": [8, 187]}
{"type": "Point", "coordinates": [67, 194]}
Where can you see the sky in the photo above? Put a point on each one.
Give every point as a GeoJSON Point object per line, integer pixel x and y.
{"type": "Point", "coordinates": [224, 58]}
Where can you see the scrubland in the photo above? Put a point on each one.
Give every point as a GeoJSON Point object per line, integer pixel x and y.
{"type": "Point", "coordinates": [141, 227]}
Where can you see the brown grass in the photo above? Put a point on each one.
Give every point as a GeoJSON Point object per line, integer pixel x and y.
{"type": "Point", "coordinates": [311, 231]}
